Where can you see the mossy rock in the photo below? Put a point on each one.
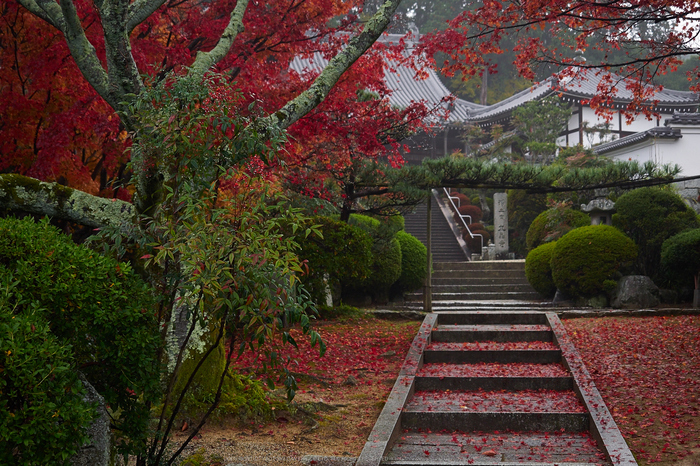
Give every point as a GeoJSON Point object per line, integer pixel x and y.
{"type": "Point", "coordinates": [586, 261]}
{"type": "Point", "coordinates": [539, 271]}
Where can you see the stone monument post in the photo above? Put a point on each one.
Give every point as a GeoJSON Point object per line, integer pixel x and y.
{"type": "Point", "coordinates": [500, 222]}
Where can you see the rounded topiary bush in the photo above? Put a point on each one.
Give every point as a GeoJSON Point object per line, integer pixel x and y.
{"type": "Point", "coordinates": [343, 255]}
{"type": "Point", "coordinates": [473, 211]}
{"type": "Point", "coordinates": [649, 216]}
{"type": "Point", "coordinates": [539, 271]}
{"type": "Point", "coordinates": [552, 224]}
{"type": "Point", "coordinates": [474, 243]}
{"type": "Point", "coordinates": [386, 270]}
{"type": "Point", "coordinates": [414, 256]}
{"type": "Point", "coordinates": [585, 261]}
{"type": "Point", "coordinates": [463, 199]}
{"type": "Point", "coordinates": [97, 305]}
{"type": "Point", "coordinates": [43, 417]}
{"type": "Point", "coordinates": [680, 260]}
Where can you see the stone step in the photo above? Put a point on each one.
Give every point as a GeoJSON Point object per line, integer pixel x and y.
{"type": "Point", "coordinates": [483, 288]}
{"type": "Point", "coordinates": [500, 357]}
{"type": "Point", "coordinates": [494, 421]}
{"type": "Point", "coordinates": [494, 383]}
{"type": "Point", "coordinates": [495, 402]}
{"type": "Point", "coordinates": [502, 332]}
{"type": "Point", "coordinates": [416, 447]}
{"type": "Point", "coordinates": [518, 265]}
{"type": "Point", "coordinates": [478, 280]}
{"type": "Point", "coordinates": [483, 295]}
{"type": "Point", "coordinates": [505, 317]}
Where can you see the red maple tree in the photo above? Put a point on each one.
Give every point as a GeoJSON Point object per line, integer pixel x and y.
{"type": "Point", "coordinates": [636, 39]}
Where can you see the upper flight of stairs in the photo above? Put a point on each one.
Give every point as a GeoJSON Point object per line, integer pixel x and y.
{"type": "Point", "coordinates": [445, 247]}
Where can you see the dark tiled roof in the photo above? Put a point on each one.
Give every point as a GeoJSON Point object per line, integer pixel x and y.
{"type": "Point", "coordinates": [683, 119]}
{"type": "Point", "coordinates": [586, 86]}
{"type": "Point", "coordinates": [657, 132]}
{"type": "Point", "coordinates": [406, 88]}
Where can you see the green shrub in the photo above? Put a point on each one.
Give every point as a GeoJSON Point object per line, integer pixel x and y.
{"type": "Point", "coordinates": [539, 271]}
{"type": "Point", "coordinates": [396, 223]}
{"type": "Point", "coordinates": [42, 413]}
{"type": "Point", "coordinates": [386, 262]}
{"type": "Point", "coordinates": [585, 261]}
{"type": "Point", "coordinates": [98, 306]}
{"type": "Point", "coordinates": [414, 257]}
{"type": "Point", "coordinates": [344, 255]}
{"type": "Point", "coordinates": [553, 223]}
{"type": "Point", "coordinates": [680, 260]}
{"type": "Point", "coordinates": [523, 208]}
{"type": "Point", "coordinates": [649, 216]}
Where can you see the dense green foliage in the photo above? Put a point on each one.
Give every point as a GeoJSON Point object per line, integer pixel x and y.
{"type": "Point", "coordinates": [586, 261]}
{"type": "Point", "coordinates": [386, 253]}
{"type": "Point", "coordinates": [553, 223]}
{"type": "Point", "coordinates": [99, 307]}
{"type": "Point", "coordinates": [343, 254]}
{"type": "Point", "coordinates": [680, 259]}
{"type": "Point", "coordinates": [523, 208]}
{"type": "Point", "coordinates": [42, 413]}
{"type": "Point", "coordinates": [649, 216]}
{"type": "Point", "coordinates": [539, 271]}
{"type": "Point", "coordinates": [413, 264]}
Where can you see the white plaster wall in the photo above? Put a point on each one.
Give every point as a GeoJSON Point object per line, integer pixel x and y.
{"type": "Point", "coordinates": [684, 152]}
{"type": "Point", "coordinates": [641, 123]}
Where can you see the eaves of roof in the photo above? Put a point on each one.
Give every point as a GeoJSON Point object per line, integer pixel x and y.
{"type": "Point", "coordinates": [657, 132]}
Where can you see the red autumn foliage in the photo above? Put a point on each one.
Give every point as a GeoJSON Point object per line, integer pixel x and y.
{"type": "Point", "coordinates": [55, 126]}
{"type": "Point", "coordinates": [551, 33]}
{"type": "Point", "coordinates": [648, 371]}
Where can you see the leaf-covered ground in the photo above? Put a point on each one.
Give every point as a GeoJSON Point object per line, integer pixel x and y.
{"type": "Point", "coordinates": [648, 371]}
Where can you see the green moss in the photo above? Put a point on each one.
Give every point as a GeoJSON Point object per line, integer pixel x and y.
{"type": "Point", "coordinates": [586, 259]}
{"type": "Point", "coordinates": [538, 270]}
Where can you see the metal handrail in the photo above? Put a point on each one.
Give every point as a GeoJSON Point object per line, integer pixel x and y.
{"type": "Point", "coordinates": [461, 217]}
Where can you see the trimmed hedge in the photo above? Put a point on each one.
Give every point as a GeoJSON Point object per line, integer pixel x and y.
{"type": "Point", "coordinates": [585, 261]}
{"type": "Point", "coordinates": [552, 224]}
{"type": "Point", "coordinates": [650, 216]}
{"type": "Point", "coordinates": [414, 257]}
{"type": "Point", "coordinates": [680, 259]}
{"type": "Point", "coordinates": [344, 255]}
{"type": "Point", "coordinates": [386, 252]}
{"type": "Point", "coordinates": [539, 271]}
{"type": "Point", "coordinates": [97, 305]}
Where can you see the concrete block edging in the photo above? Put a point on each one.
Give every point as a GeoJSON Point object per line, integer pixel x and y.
{"type": "Point", "coordinates": [603, 426]}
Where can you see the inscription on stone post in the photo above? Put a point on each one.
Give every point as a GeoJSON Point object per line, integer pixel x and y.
{"type": "Point", "coordinates": [500, 222]}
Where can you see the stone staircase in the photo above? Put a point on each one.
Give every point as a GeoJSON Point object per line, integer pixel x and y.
{"type": "Point", "coordinates": [494, 388]}
{"type": "Point", "coordinates": [462, 283]}
{"type": "Point", "coordinates": [445, 247]}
